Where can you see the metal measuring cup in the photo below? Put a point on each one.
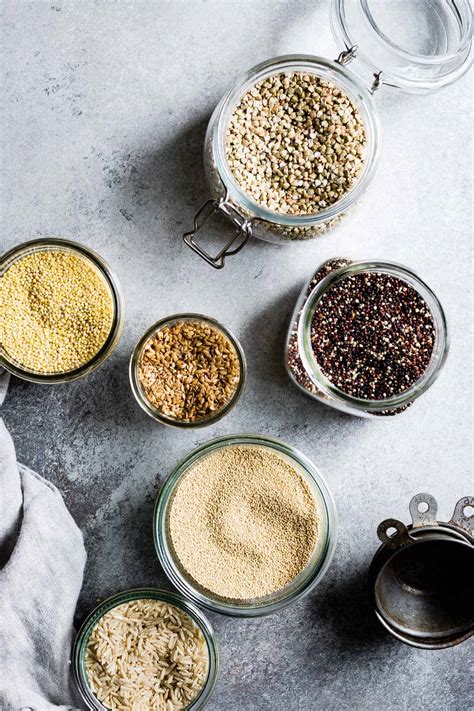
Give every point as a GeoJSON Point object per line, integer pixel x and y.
{"type": "Point", "coordinates": [421, 579]}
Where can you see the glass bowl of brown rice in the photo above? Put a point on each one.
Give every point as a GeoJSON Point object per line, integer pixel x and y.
{"type": "Point", "coordinates": [245, 525]}
{"type": "Point", "coordinates": [187, 370]}
{"type": "Point", "coordinates": [145, 648]}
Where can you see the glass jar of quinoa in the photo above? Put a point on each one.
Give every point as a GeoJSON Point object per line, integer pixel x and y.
{"type": "Point", "coordinates": [367, 338]}
{"type": "Point", "coordinates": [294, 144]}
{"type": "Point", "coordinates": [61, 310]}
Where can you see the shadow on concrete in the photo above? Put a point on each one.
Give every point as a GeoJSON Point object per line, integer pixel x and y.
{"type": "Point", "coordinates": [343, 604]}
{"type": "Point", "coordinates": [264, 341]}
{"type": "Point", "coordinates": [170, 184]}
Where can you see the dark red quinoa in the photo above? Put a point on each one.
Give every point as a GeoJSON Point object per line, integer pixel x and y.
{"type": "Point", "coordinates": [372, 335]}
{"type": "Point", "coordinates": [294, 360]}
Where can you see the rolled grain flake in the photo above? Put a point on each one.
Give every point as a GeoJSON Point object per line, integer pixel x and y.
{"type": "Point", "coordinates": [189, 370]}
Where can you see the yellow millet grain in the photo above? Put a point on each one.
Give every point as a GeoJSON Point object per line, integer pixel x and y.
{"type": "Point", "coordinates": [243, 522]}
{"type": "Point", "coordinates": [56, 311]}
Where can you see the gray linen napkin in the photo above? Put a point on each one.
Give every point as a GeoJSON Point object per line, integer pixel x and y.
{"type": "Point", "coordinates": [42, 560]}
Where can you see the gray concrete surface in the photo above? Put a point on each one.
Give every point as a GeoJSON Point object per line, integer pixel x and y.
{"type": "Point", "coordinates": [104, 108]}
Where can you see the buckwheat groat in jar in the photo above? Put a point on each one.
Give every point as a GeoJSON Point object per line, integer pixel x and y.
{"type": "Point", "coordinates": [367, 338]}
{"type": "Point", "coordinates": [288, 152]}
{"type": "Point", "coordinates": [294, 144]}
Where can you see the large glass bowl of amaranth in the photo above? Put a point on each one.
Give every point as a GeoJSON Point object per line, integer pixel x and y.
{"type": "Point", "coordinates": [245, 525]}
{"type": "Point", "coordinates": [61, 310]}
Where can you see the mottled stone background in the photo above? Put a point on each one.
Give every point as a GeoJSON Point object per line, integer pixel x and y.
{"type": "Point", "coordinates": [104, 109]}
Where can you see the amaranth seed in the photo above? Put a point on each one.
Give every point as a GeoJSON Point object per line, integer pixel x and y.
{"type": "Point", "coordinates": [243, 522]}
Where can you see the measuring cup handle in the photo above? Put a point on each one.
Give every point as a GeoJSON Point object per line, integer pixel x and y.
{"type": "Point", "coordinates": [424, 518]}
{"type": "Point", "coordinates": [460, 517]}
{"type": "Point", "coordinates": [400, 538]}
{"type": "Point", "coordinates": [234, 245]}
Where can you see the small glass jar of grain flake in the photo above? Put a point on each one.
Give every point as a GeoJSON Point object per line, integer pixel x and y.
{"type": "Point", "coordinates": [187, 370]}
{"type": "Point", "coordinates": [294, 144]}
{"type": "Point", "coordinates": [367, 338]}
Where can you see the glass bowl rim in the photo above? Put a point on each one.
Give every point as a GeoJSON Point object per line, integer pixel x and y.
{"type": "Point", "coordinates": [439, 317]}
{"type": "Point", "coordinates": [164, 553]}
{"type": "Point", "coordinates": [140, 396]}
{"type": "Point", "coordinates": [172, 598]}
{"type": "Point", "coordinates": [56, 244]}
{"type": "Point", "coordinates": [350, 84]}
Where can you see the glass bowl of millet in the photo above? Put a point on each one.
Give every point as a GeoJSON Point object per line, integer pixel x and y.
{"type": "Point", "coordinates": [61, 310]}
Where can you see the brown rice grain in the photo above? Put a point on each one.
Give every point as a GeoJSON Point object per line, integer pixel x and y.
{"type": "Point", "coordinates": [146, 654]}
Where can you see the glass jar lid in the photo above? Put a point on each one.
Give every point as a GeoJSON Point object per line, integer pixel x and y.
{"type": "Point", "coordinates": [417, 46]}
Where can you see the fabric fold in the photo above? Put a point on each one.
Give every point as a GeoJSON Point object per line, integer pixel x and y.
{"type": "Point", "coordinates": [42, 560]}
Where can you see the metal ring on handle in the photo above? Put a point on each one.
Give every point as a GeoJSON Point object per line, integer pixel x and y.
{"type": "Point", "coordinates": [210, 208]}
{"type": "Point", "coordinates": [423, 518]}
{"type": "Point", "coordinates": [400, 538]}
{"type": "Point", "coordinates": [348, 55]}
{"type": "Point", "coordinates": [460, 518]}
